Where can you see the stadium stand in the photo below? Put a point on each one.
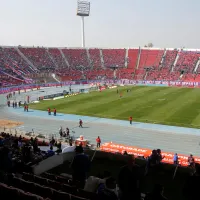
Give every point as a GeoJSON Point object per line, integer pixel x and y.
{"type": "Point", "coordinates": [56, 55]}
{"type": "Point", "coordinates": [77, 58]}
{"type": "Point", "coordinates": [95, 58]}
{"type": "Point", "coordinates": [133, 55]}
{"type": "Point", "coordinates": [164, 71]}
{"type": "Point", "coordinates": [26, 65]}
{"type": "Point", "coordinates": [134, 176]}
{"type": "Point", "coordinates": [39, 58]}
{"type": "Point", "coordinates": [114, 57]}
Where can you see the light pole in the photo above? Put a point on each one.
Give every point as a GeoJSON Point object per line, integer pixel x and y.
{"type": "Point", "coordinates": [83, 10]}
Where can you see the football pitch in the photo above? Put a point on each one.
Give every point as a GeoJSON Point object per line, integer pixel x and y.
{"type": "Point", "coordinates": [160, 105]}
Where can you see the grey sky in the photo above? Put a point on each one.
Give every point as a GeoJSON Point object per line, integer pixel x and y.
{"type": "Point", "coordinates": [112, 23]}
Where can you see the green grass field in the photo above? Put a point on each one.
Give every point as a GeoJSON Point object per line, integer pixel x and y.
{"type": "Point", "coordinates": [161, 105]}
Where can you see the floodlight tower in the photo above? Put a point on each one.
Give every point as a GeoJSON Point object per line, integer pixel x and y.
{"type": "Point", "coordinates": [83, 10]}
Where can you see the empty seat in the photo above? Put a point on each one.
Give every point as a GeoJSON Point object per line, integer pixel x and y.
{"type": "Point", "coordinates": [45, 192]}
{"type": "Point", "coordinates": [69, 189]}
{"type": "Point", "coordinates": [27, 186]}
{"type": "Point", "coordinates": [60, 195]}
{"type": "Point", "coordinates": [40, 180]}
{"type": "Point", "coordinates": [87, 195]}
{"type": "Point", "coordinates": [29, 196]}
{"type": "Point", "coordinates": [27, 176]}
{"type": "Point", "coordinates": [53, 184]}
{"type": "Point", "coordinates": [49, 176]}
{"type": "Point", "coordinates": [9, 192]}
{"type": "Point", "coordinates": [77, 198]}
{"type": "Point", "coordinates": [62, 179]}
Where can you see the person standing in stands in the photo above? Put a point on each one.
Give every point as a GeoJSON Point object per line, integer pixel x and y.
{"type": "Point", "coordinates": [80, 166]}
{"type": "Point", "coordinates": [49, 111]}
{"type": "Point", "coordinates": [131, 120]}
{"type": "Point", "coordinates": [67, 131]}
{"type": "Point", "coordinates": [80, 123]}
{"type": "Point", "coordinates": [128, 180]}
{"type": "Point", "coordinates": [70, 141]}
{"type": "Point", "coordinates": [98, 140]}
{"type": "Point", "coordinates": [191, 162]}
{"type": "Point", "coordinates": [175, 160]}
{"type": "Point", "coordinates": [54, 112]}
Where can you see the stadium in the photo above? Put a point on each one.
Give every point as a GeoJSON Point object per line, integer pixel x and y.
{"type": "Point", "coordinates": [99, 123]}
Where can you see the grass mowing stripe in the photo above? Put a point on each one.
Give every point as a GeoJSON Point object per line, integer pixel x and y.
{"type": "Point", "coordinates": [164, 109]}
{"type": "Point", "coordinates": [181, 112]}
{"type": "Point", "coordinates": [116, 106]}
{"type": "Point", "coordinates": [140, 107]}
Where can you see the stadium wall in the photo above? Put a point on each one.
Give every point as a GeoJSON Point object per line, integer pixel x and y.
{"type": "Point", "coordinates": [24, 88]}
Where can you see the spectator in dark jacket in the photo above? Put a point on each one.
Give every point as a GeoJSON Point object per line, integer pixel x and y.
{"type": "Point", "coordinates": [80, 166]}
{"type": "Point", "coordinates": [191, 188]}
{"type": "Point", "coordinates": [128, 180]}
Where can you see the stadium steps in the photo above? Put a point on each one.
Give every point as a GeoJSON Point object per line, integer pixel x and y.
{"type": "Point", "coordinates": [48, 164]}
{"type": "Point", "coordinates": [101, 57]}
{"type": "Point", "coordinates": [88, 57]}
{"type": "Point", "coordinates": [197, 65]}
{"type": "Point", "coordinates": [174, 64]}
{"type": "Point", "coordinates": [163, 58]}
{"type": "Point", "coordinates": [26, 59]}
{"type": "Point", "coordinates": [55, 77]}
{"type": "Point", "coordinates": [138, 60]}
{"type": "Point", "coordinates": [48, 53]}
{"type": "Point", "coordinates": [126, 58]}
{"type": "Point", "coordinates": [65, 59]}
{"type": "Point", "coordinates": [146, 74]}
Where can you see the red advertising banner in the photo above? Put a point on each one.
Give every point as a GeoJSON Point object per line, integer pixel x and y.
{"type": "Point", "coordinates": [136, 151]}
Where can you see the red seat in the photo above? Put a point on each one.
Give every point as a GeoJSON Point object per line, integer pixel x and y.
{"type": "Point", "coordinates": [60, 195]}
{"type": "Point", "coordinates": [54, 184]}
{"type": "Point", "coordinates": [29, 196]}
{"type": "Point", "coordinates": [45, 192]}
{"type": "Point", "coordinates": [87, 195]}
{"type": "Point", "coordinates": [27, 186]}
{"type": "Point", "coordinates": [69, 189]}
{"type": "Point", "coordinates": [40, 180]}
{"type": "Point", "coordinates": [77, 198]}
{"type": "Point", "coordinates": [27, 176]}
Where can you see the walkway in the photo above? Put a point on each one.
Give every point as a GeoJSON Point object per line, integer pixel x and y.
{"type": "Point", "coordinates": [168, 138]}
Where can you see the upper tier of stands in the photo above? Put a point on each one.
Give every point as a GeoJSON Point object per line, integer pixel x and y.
{"type": "Point", "coordinates": [19, 63]}
{"type": "Point", "coordinates": [114, 57]}
{"type": "Point", "coordinates": [39, 57]}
